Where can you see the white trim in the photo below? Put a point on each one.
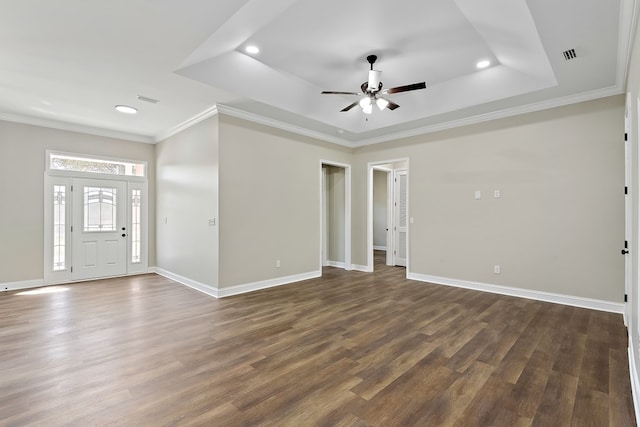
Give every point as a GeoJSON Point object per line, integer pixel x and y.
{"type": "Point", "coordinates": [379, 248]}
{"type": "Point", "coordinates": [362, 268]}
{"type": "Point", "coordinates": [493, 115]}
{"type": "Point", "coordinates": [594, 304]}
{"type": "Point", "coordinates": [336, 264]}
{"type": "Point", "coordinates": [39, 283]}
{"type": "Point", "coordinates": [371, 166]}
{"type": "Point", "coordinates": [238, 289]}
{"type": "Point", "coordinates": [168, 133]}
{"type": "Point", "coordinates": [265, 284]}
{"type": "Point", "coordinates": [24, 284]}
{"type": "Point", "coordinates": [74, 127]}
{"type": "Point", "coordinates": [205, 289]}
{"type": "Point", "coordinates": [479, 118]}
{"type": "Point", "coordinates": [635, 380]}
{"type": "Point", "coordinates": [347, 212]}
{"type": "Point", "coordinates": [256, 118]}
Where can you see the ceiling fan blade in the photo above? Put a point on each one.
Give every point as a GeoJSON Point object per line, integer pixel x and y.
{"type": "Point", "coordinates": [407, 88]}
{"type": "Point", "coordinates": [350, 106]}
{"type": "Point", "coordinates": [392, 105]}
{"type": "Point", "coordinates": [331, 92]}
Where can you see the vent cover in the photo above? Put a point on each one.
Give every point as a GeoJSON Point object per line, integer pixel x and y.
{"type": "Point", "coordinates": [145, 99]}
{"type": "Point", "coordinates": [569, 54]}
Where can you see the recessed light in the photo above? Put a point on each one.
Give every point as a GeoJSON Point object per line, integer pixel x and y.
{"type": "Point", "coordinates": [252, 49]}
{"type": "Point", "coordinates": [483, 64]}
{"type": "Point", "coordinates": [126, 109]}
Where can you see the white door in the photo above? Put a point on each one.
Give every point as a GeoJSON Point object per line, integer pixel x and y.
{"type": "Point", "coordinates": [400, 218]}
{"type": "Point", "coordinates": [99, 229]}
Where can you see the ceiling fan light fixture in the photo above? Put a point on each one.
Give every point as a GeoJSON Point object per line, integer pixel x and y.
{"type": "Point", "coordinates": [368, 109]}
{"type": "Point", "coordinates": [365, 102]}
{"type": "Point", "coordinates": [382, 103]}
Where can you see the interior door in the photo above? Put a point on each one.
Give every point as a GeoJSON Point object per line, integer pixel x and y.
{"type": "Point", "coordinates": [400, 217]}
{"type": "Point", "coordinates": [99, 232]}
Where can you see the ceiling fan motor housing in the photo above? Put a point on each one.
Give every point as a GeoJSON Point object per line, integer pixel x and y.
{"type": "Point", "coordinates": [374, 80]}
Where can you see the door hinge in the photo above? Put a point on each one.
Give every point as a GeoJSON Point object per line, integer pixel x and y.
{"type": "Point", "coordinates": [626, 244]}
{"type": "Point", "coordinates": [626, 297]}
{"type": "Point", "coordinates": [626, 190]}
{"type": "Point", "coordinates": [72, 188]}
{"type": "Point", "coordinates": [72, 269]}
{"type": "Point", "coordinates": [72, 228]}
{"type": "Point", "coordinates": [625, 136]}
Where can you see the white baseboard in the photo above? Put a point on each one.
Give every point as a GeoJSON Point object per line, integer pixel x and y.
{"type": "Point", "coordinates": [264, 284]}
{"type": "Point", "coordinates": [336, 264]}
{"type": "Point", "coordinates": [24, 284]}
{"type": "Point", "coordinates": [362, 268]}
{"type": "Point", "coordinates": [593, 304]}
{"type": "Point", "coordinates": [379, 248]}
{"type": "Point", "coordinates": [238, 289]}
{"type": "Point", "coordinates": [635, 380]}
{"type": "Point", "coordinates": [38, 283]}
{"type": "Point", "coordinates": [205, 289]}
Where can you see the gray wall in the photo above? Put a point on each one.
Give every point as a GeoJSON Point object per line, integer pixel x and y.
{"type": "Point", "coordinates": [22, 152]}
{"type": "Point", "coordinates": [270, 201]}
{"type": "Point", "coordinates": [559, 224]}
{"type": "Point", "coordinates": [335, 193]}
{"type": "Point", "coordinates": [187, 198]}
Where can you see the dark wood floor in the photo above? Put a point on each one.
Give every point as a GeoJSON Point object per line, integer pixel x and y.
{"type": "Point", "coordinates": [350, 349]}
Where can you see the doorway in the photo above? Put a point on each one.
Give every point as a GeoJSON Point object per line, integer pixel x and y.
{"type": "Point", "coordinates": [387, 213]}
{"type": "Point", "coordinates": [96, 223]}
{"type": "Point", "coordinates": [335, 214]}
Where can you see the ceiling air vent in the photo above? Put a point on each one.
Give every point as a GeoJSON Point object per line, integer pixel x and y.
{"type": "Point", "coordinates": [145, 99]}
{"type": "Point", "coordinates": [569, 54]}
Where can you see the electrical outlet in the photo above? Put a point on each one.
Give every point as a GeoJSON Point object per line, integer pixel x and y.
{"type": "Point", "coordinates": [496, 269]}
{"type": "Point", "coordinates": [277, 263]}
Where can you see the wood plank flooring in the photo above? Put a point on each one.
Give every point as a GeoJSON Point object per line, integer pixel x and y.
{"type": "Point", "coordinates": [349, 349]}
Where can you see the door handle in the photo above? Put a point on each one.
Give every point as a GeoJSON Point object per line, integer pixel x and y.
{"type": "Point", "coordinates": [624, 252]}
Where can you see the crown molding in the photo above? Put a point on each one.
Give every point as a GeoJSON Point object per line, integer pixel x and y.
{"type": "Point", "coordinates": [74, 127]}
{"type": "Point", "coordinates": [509, 112]}
{"type": "Point", "coordinates": [209, 112]}
{"type": "Point", "coordinates": [256, 118]}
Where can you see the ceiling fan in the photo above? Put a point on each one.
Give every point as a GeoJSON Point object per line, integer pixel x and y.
{"type": "Point", "coordinates": [372, 89]}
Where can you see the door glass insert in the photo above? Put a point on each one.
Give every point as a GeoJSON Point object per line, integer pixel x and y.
{"type": "Point", "coordinates": [81, 164]}
{"type": "Point", "coordinates": [136, 224]}
{"type": "Point", "coordinates": [100, 209]}
{"type": "Point", "coordinates": [59, 223]}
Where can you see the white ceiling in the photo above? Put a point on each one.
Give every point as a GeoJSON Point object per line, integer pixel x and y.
{"type": "Point", "coordinates": [67, 64]}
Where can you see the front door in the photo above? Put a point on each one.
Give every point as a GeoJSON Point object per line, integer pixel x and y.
{"type": "Point", "coordinates": [99, 228]}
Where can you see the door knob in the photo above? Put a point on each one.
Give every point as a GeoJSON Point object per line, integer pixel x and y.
{"type": "Point", "coordinates": [124, 228]}
{"type": "Point", "coordinates": [624, 252]}
{"type": "Point", "coordinates": [124, 235]}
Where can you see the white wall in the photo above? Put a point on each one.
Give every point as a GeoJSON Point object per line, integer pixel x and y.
{"type": "Point", "coordinates": [559, 224]}
{"type": "Point", "coordinates": [187, 198]}
{"type": "Point", "coordinates": [22, 153]}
